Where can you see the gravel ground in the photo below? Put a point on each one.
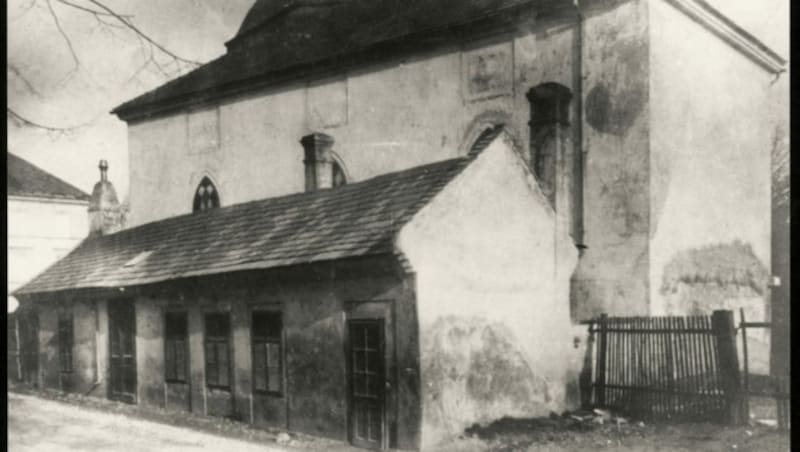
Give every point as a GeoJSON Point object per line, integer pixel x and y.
{"type": "Point", "coordinates": [73, 423]}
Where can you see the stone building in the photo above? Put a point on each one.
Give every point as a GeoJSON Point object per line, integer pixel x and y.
{"type": "Point", "coordinates": [651, 163]}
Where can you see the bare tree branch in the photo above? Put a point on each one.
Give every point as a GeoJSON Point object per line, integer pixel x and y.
{"type": "Point", "coordinates": [92, 11]}
{"type": "Point", "coordinates": [28, 85]}
{"type": "Point", "coordinates": [147, 38]}
{"type": "Point", "coordinates": [66, 39]}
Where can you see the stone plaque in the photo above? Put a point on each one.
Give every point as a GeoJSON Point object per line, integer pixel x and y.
{"type": "Point", "coordinates": [203, 130]}
{"type": "Point", "coordinates": [488, 71]}
{"type": "Point", "coordinates": [327, 104]}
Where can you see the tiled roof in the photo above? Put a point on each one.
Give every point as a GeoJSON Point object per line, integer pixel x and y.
{"type": "Point", "coordinates": [27, 180]}
{"type": "Point", "coordinates": [280, 39]}
{"type": "Point", "coordinates": [358, 219]}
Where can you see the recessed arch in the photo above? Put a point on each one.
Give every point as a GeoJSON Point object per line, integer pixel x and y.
{"type": "Point", "coordinates": [486, 121]}
{"type": "Point", "coordinates": [341, 176]}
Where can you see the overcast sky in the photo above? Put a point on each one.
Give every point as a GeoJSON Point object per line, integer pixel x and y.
{"type": "Point", "coordinates": [46, 83]}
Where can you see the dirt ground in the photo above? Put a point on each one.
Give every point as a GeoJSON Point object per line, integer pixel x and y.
{"type": "Point", "coordinates": [71, 423]}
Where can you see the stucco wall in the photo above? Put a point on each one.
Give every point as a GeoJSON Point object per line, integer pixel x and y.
{"type": "Point", "coordinates": [612, 275]}
{"type": "Point", "coordinates": [493, 303]}
{"type": "Point", "coordinates": [41, 231]}
{"type": "Point", "coordinates": [315, 306]}
{"type": "Point", "coordinates": [385, 117]}
{"type": "Point", "coordinates": [712, 134]}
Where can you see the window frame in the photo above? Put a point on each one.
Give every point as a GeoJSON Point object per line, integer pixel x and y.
{"type": "Point", "coordinates": [214, 198]}
{"type": "Point", "coordinates": [172, 337]}
{"type": "Point", "coordinates": [226, 339]}
{"type": "Point", "coordinates": [66, 347]}
{"type": "Point", "coordinates": [266, 341]}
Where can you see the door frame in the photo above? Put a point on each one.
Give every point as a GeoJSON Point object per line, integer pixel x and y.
{"type": "Point", "coordinates": [114, 305]}
{"type": "Point", "coordinates": [381, 322]}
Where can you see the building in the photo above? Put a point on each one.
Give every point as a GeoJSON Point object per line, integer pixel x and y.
{"type": "Point", "coordinates": [46, 219]}
{"type": "Point", "coordinates": [652, 171]}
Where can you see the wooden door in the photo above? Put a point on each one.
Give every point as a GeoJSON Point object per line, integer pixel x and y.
{"type": "Point", "coordinates": [367, 417]}
{"type": "Point", "coordinates": [29, 347]}
{"type": "Point", "coordinates": [122, 357]}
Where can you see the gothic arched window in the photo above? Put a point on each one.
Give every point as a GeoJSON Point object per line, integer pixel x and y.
{"type": "Point", "coordinates": [206, 196]}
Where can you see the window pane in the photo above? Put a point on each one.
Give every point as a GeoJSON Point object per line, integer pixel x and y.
{"type": "Point", "coordinates": [274, 363]}
{"type": "Point", "coordinates": [267, 325]}
{"type": "Point", "coordinates": [175, 324]}
{"type": "Point", "coordinates": [260, 366]}
{"type": "Point", "coordinates": [222, 359]}
{"type": "Point", "coordinates": [180, 360]}
{"type": "Point", "coordinates": [211, 364]}
{"type": "Point", "coordinates": [169, 360]}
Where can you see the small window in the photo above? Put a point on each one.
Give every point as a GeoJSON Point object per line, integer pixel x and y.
{"type": "Point", "coordinates": [65, 339]}
{"type": "Point", "coordinates": [206, 196]}
{"type": "Point", "coordinates": [338, 175]}
{"type": "Point", "coordinates": [175, 347]}
{"type": "Point", "coordinates": [267, 333]}
{"type": "Point", "coordinates": [217, 351]}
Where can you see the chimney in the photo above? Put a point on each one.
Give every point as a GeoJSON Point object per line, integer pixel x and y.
{"type": "Point", "coordinates": [105, 212]}
{"type": "Point", "coordinates": [318, 161]}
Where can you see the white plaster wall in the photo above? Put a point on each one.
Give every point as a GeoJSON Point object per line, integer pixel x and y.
{"type": "Point", "coordinates": [492, 298]}
{"type": "Point", "coordinates": [710, 144]}
{"type": "Point", "coordinates": [41, 231]}
{"type": "Point", "coordinates": [384, 118]}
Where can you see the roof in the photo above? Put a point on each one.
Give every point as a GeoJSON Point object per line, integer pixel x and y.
{"type": "Point", "coordinates": [280, 39]}
{"type": "Point", "coordinates": [30, 181]}
{"type": "Point", "coordinates": [354, 220]}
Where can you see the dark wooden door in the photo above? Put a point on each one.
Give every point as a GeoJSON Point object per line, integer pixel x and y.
{"type": "Point", "coordinates": [122, 357]}
{"type": "Point", "coordinates": [29, 347]}
{"type": "Point", "coordinates": [367, 383]}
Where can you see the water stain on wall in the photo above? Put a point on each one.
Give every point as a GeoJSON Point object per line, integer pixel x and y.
{"type": "Point", "coordinates": [614, 103]}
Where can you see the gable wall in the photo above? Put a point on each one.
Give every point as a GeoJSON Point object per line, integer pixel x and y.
{"type": "Point", "coordinates": [492, 285]}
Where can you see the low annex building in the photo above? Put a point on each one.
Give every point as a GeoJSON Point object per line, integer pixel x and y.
{"type": "Point", "coordinates": [395, 311]}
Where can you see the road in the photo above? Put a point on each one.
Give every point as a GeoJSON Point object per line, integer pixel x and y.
{"type": "Point", "coordinates": [36, 424]}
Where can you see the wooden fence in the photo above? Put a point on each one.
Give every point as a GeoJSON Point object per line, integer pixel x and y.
{"type": "Point", "coordinates": [668, 367]}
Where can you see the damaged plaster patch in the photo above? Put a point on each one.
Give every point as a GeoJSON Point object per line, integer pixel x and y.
{"type": "Point", "coordinates": [723, 265]}
{"type": "Point", "coordinates": [476, 372]}
{"type": "Point", "coordinates": [618, 98]}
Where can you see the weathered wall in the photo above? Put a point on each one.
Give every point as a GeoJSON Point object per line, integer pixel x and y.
{"type": "Point", "coordinates": [493, 303]}
{"type": "Point", "coordinates": [612, 275]}
{"type": "Point", "coordinates": [385, 117]}
{"type": "Point", "coordinates": [315, 306]}
{"type": "Point", "coordinates": [710, 131]}
{"type": "Point", "coordinates": [82, 378]}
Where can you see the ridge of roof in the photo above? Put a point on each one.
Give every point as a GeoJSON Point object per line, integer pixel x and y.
{"type": "Point", "coordinates": [28, 180]}
{"type": "Point", "coordinates": [301, 46]}
{"type": "Point", "coordinates": [354, 220]}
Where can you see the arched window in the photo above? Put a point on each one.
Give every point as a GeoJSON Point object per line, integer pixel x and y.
{"type": "Point", "coordinates": [338, 177]}
{"type": "Point", "coordinates": [206, 196]}
{"type": "Point", "coordinates": [549, 104]}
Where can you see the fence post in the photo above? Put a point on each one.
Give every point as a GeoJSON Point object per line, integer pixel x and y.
{"type": "Point", "coordinates": [728, 364]}
{"type": "Point", "coordinates": [600, 385]}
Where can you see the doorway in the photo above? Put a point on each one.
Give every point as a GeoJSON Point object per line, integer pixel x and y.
{"type": "Point", "coordinates": [122, 346]}
{"type": "Point", "coordinates": [367, 380]}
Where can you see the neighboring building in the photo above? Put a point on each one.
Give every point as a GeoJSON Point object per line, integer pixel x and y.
{"type": "Point", "coordinates": [46, 220]}
{"type": "Point", "coordinates": [653, 156]}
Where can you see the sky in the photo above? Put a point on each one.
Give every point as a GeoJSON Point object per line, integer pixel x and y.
{"type": "Point", "coordinates": [77, 81]}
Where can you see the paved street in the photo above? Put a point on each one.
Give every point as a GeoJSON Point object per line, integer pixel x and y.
{"type": "Point", "coordinates": [45, 426]}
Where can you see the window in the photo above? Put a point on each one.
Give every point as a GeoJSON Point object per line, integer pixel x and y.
{"type": "Point", "coordinates": [338, 175]}
{"type": "Point", "coordinates": [267, 330]}
{"type": "Point", "coordinates": [206, 196]}
{"type": "Point", "coordinates": [65, 342]}
{"type": "Point", "coordinates": [175, 347]}
{"type": "Point", "coordinates": [217, 352]}
{"type": "Point", "coordinates": [549, 104]}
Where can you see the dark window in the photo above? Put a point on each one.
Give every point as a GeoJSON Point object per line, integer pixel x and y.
{"type": "Point", "coordinates": [217, 352]}
{"type": "Point", "coordinates": [267, 332]}
{"type": "Point", "coordinates": [65, 342]}
{"type": "Point", "coordinates": [549, 104]}
{"type": "Point", "coordinates": [206, 196]}
{"type": "Point", "coordinates": [175, 347]}
{"type": "Point", "coordinates": [338, 175]}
